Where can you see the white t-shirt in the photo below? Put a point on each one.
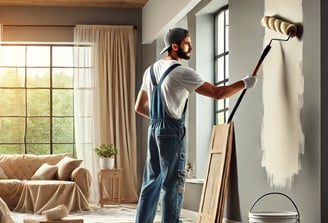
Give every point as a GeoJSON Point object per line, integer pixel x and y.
{"type": "Point", "coordinates": [176, 87]}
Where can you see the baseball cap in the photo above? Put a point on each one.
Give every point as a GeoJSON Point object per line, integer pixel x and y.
{"type": "Point", "coordinates": [173, 36]}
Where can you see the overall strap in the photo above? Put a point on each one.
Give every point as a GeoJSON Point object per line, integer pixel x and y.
{"type": "Point", "coordinates": [152, 75]}
{"type": "Point", "coordinates": [158, 109]}
{"type": "Point", "coordinates": [167, 72]}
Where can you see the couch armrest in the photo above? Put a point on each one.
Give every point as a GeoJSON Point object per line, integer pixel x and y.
{"type": "Point", "coordinates": [82, 177]}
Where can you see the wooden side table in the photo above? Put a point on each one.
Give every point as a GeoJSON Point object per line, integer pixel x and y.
{"type": "Point", "coordinates": [114, 178]}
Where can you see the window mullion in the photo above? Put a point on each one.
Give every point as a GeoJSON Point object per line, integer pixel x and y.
{"type": "Point", "coordinates": [51, 101]}
{"type": "Point", "coordinates": [26, 102]}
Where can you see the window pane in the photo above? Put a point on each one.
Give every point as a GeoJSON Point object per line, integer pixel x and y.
{"type": "Point", "coordinates": [12, 130]}
{"type": "Point", "coordinates": [12, 148]}
{"type": "Point", "coordinates": [62, 78]}
{"type": "Point", "coordinates": [227, 29]}
{"type": "Point", "coordinates": [220, 34]}
{"type": "Point", "coordinates": [62, 56]}
{"type": "Point", "coordinates": [12, 56]}
{"type": "Point", "coordinates": [38, 56]}
{"type": "Point", "coordinates": [38, 77]}
{"type": "Point", "coordinates": [12, 77]}
{"type": "Point", "coordinates": [63, 148]}
{"type": "Point", "coordinates": [38, 102]}
{"type": "Point", "coordinates": [38, 149]}
{"type": "Point", "coordinates": [226, 103]}
{"type": "Point", "coordinates": [220, 69]}
{"type": "Point", "coordinates": [63, 102]}
{"type": "Point", "coordinates": [227, 39]}
{"type": "Point", "coordinates": [63, 130]}
{"type": "Point", "coordinates": [220, 105]}
{"type": "Point", "coordinates": [13, 102]}
{"type": "Point", "coordinates": [220, 118]}
{"type": "Point", "coordinates": [38, 130]}
{"type": "Point", "coordinates": [227, 66]}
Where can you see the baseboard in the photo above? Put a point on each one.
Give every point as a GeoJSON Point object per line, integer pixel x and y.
{"type": "Point", "coordinates": [192, 215]}
{"type": "Point", "coordinates": [229, 221]}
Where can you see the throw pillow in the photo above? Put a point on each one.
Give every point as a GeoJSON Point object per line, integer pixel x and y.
{"type": "Point", "coordinates": [56, 213]}
{"type": "Point", "coordinates": [2, 174]}
{"type": "Point", "coordinates": [45, 172]}
{"type": "Point", "coordinates": [66, 166]}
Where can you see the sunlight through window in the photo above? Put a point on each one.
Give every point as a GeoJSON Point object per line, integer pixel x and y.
{"type": "Point", "coordinates": [36, 96]}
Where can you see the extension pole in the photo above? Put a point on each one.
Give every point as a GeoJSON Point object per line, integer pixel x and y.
{"type": "Point", "coordinates": [265, 52]}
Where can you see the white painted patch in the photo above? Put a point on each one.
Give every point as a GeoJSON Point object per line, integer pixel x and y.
{"type": "Point", "coordinates": [283, 86]}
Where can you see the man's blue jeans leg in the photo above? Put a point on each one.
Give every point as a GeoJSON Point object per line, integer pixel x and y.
{"type": "Point", "coordinates": [151, 185]}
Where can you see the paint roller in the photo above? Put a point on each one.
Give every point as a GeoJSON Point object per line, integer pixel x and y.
{"type": "Point", "coordinates": [279, 25]}
{"type": "Point", "coordinates": [276, 24]}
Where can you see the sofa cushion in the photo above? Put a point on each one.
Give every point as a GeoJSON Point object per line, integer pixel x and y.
{"type": "Point", "coordinates": [66, 166]}
{"type": "Point", "coordinates": [2, 174]}
{"type": "Point", "coordinates": [45, 172]}
{"type": "Point", "coordinates": [23, 166]}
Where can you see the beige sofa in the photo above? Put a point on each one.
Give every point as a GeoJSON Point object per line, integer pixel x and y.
{"type": "Point", "coordinates": [34, 183]}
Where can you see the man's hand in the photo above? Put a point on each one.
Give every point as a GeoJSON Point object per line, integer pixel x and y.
{"type": "Point", "coordinates": [249, 81]}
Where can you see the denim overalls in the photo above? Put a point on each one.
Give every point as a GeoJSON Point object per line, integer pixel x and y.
{"type": "Point", "coordinates": [165, 164]}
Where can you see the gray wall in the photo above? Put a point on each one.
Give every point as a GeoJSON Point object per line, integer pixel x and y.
{"type": "Point", "coordinates": [246, 38]}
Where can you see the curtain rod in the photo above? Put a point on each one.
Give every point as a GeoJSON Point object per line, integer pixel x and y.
{"type": "Point", "coordinates": [55, 26]}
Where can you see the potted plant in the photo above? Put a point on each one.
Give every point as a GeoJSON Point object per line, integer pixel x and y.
{"type": "Point", "coordinates": [106, 154]}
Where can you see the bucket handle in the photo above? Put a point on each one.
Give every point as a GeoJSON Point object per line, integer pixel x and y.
{"type": "Point", "coordinates": [264, 195]}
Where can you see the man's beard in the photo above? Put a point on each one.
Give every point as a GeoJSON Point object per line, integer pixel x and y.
{"type": "Point", "coordinates": [182, 54]}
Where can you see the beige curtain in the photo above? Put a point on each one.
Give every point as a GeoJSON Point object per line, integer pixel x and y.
{"type": "Point", "coordinates": [1, 33]}
{"type": "Point", "coordinates": [104, 94]}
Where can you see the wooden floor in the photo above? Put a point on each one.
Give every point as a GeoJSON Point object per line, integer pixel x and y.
{"type": "Point", "coordinates": [124, 213]}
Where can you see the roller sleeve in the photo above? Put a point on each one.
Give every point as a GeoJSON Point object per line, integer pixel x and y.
{"type": "Point", "coordinates": [279, 25]}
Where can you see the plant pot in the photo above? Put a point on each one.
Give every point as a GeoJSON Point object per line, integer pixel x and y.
{"type": "Point", "coordinates": [107, 163]}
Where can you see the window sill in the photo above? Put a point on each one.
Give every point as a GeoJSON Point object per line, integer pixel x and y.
{"type": "Point", "coordinates": [194, 181]}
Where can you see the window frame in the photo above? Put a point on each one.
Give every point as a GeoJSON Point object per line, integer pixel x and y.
{"type": "Point", "coordinates": [51, 68]}
{"type": "Point", "coordinates": [223, 104]}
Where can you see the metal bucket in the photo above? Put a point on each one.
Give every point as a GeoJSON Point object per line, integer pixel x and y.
{"type": "Point", "coordinates": [271, 216]}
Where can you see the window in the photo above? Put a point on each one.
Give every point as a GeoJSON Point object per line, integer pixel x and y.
{"type": "Point", "coordinates": [36, 97]}
{"type": "Point", "coordinates": [221, 62]}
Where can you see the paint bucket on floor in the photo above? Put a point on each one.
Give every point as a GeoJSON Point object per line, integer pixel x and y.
{"type": "Point", "coordinates": [272, 216]}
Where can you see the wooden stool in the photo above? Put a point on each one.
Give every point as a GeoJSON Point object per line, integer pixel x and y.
{"type": "Point", "coordinates": [114, 177]}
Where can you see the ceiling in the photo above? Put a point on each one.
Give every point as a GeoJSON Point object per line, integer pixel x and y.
{"type": "Point", "coordinates": [77, 3]}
